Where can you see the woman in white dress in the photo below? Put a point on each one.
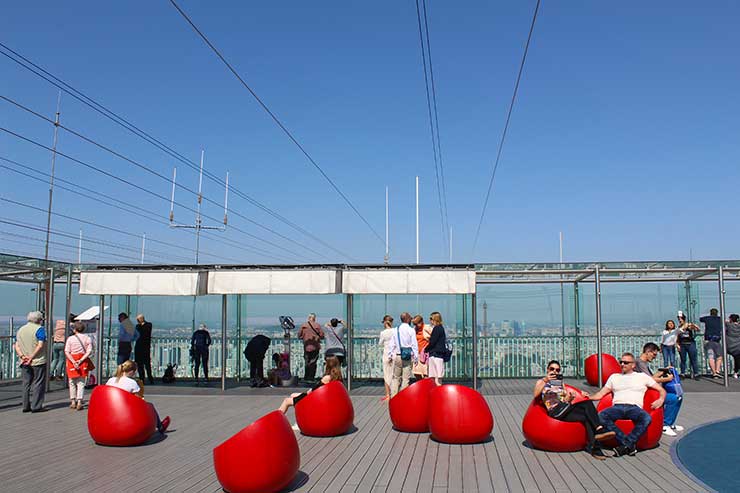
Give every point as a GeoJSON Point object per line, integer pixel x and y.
{"type": "Point", "coordinates": [385, 337]}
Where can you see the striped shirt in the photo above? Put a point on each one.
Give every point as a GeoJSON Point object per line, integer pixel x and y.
{"type": "Point", "coordinates": [73, 345]}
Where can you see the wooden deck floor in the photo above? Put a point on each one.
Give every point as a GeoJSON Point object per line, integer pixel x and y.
{"type": "Point", "coordinates": [53, 452]}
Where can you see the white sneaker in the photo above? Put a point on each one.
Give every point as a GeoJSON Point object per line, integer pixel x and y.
{"type": "Point", "coordinates": [668, 431]}
{"type": "Point", "coordinates": [677, 428]}
{"type": "Point", "coordinates": [295, 428]}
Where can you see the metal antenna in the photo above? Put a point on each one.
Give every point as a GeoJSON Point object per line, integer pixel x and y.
{"type": "Point", "coordinates": [198, 226]}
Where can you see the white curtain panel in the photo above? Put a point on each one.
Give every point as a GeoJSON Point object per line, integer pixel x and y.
{"type": "Point", "coordinates": [408, 282]}
{"type": "Point", "coordinates": [272, 282]}
{"type": "Point", "coordinates": [135, 283]}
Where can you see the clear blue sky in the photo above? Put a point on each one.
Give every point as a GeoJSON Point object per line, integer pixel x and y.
{"type": "Point", "coordinates": [624, 136]}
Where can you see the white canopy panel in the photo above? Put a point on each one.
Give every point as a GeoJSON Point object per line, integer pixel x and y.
{"type": "Point", "coordinates": [143, 283]}
{"type": "Point", "coordinates": [408, 282]}
{"type": "Point", "coordinates": [272, 282]}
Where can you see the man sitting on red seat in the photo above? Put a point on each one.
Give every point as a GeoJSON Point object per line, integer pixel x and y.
{"type": "Point", "coordinates": [629, 389]}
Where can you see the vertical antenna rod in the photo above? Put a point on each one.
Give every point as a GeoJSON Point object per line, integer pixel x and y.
{"type": "Point", "coordinates": [51, 178]}
{"type": "Point", "coordinates": [172, 198]}
{"type": "Point", "coordinates": [226, 201]}
{"type": "Point", "coordinates": [387, 253]}
{"type": "Point", "coordinates": [143, 245]}
{"type": "Point", "coordinates": [417, 219]}
{"type": "Point", "coordinates": [79, 249]}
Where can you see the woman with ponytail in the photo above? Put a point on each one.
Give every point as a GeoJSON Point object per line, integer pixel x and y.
{"type": "Point", "coordinates": [124, 380]}
{"type": "Point", "coordinates": [332, 371]}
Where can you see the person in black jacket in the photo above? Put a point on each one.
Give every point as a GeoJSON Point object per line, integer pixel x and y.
{"type": "Point", "coordinates": [199, 345]}
{"type": "Point", "coordinates": [255, 353]}
{"type": "Point", "coordinates": [143, 348]}
{"type": "Point", "coordinates": [437, 348]}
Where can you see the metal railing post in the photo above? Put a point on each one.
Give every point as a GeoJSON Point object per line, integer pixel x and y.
{"type": "Point", "coordinates": [597, 289]}
{"type": "Point", "coordinates": [224, 349]}
{"type": "Point", "coordinates": [576, 324]}
{"type": "Point", "coordinates": [49, 330]}
{"type": "Point", "coordinates": [238, 337]}
{"type": "Point", "coordinates": [474, 320]}
{"type": "Point", "coordinates": [67, 309]}
{"type": "Point", "coordinates": [99, 349]}
{"type": "Point", "coordinates": [721, 285]}
{"type": "Point", "coordinates": [350, 341]}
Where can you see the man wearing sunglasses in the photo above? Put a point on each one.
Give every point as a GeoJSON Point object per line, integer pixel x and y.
{"type": "Point", "coordinates": [629, 389]}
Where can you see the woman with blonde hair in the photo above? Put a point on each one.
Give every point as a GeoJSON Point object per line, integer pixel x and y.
{"type": "Point", "coordinates": [124, 380]}
{"type": "Point", "coordinates": [385, 338]}
{"type": "Point", "coordinates": [437, 348]}
{"type": "Point", "coordinates": [332, 372]}
{"type": "Point", "coordinates": [423, 334]}
{"type": "Point", "coordinates": [77, 350]}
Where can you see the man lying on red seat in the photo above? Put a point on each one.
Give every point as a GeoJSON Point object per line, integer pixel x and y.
{"type": "Point", "coordinates": [629, 389]}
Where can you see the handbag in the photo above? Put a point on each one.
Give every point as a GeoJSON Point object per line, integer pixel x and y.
{"type": "Point", "coordinates": [406, 352]}
{"type": "Point", "coordinates": [447, 355]}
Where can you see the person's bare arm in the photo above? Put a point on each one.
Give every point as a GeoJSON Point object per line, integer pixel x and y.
{"type": "Point", "coordinates": [659, 402]}
{"type": "Point", "coordinates": [603, 392]}
{"type": "Point", "coordinates": [660, 377]}
{"type": "Point", "coordinates": [539, 386]}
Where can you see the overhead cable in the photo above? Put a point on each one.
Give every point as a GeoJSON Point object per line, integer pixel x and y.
{"type": "Point", "coordinates": [277, 121]}
{"type": "Point", "coordinates": [506, 126]}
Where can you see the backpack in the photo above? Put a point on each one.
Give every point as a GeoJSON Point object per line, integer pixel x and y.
{"type": "Point", "coordinates": [169, 374]}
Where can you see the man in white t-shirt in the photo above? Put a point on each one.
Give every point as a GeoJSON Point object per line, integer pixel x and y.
{"type": "Point", "coordinates": [629, 389]}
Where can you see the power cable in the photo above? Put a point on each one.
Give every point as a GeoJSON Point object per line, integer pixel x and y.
{"type": "Point", "coordinates": [506, 126]}
{"type": "Point", "coordinates": [276, 120]}
{"type": "Point", "coordinates": [146, 168]}
{"type": "Point", "coordinates": [134, 210]}
{"type": "Point", "coordinates": [140, 188]}
{"type": "Point", "coordinates": [432, 132]}
{"type": "Point", "coordinates": [436, 117]}
{"type": "Point", "coordinates": [40, 72]}
{"type": "Point", "coordinates": [66, 245]}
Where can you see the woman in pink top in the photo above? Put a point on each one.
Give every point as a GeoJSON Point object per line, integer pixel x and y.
{"type": "Point", "coordinates": [77, 350]}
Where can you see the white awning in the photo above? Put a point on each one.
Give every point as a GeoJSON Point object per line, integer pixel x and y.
{"type": "Point", "coordinates": [408, 282]}
{"type": "Point", "coordinates": [144, 283]}
{"type": "Point", "coordinates": [272, 282]}
{"type": "Point", "coordinates": [90, 314]}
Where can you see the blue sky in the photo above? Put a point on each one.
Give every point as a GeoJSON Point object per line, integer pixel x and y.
{"type": "Point", "coordinates": [624, 136]}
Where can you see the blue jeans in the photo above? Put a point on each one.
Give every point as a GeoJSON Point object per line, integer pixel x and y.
{"type": "Point", "coordinates": [57, 360]}
{"type": "Point", "coordinates": [670, 408]}
{"type": "Point", "coordinates": [636, 414]}
{"type": "Point", "coordinates": [669, 355]}
{"type": "Point", "coordinates": [690, 350]}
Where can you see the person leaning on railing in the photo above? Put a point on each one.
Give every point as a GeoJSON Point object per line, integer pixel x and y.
{"type": "Point", "coordinates": [559, 404]}
{"type": "Point", "coordinates": [668, 343]}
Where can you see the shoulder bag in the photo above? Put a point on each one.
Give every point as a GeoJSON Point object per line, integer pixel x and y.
{"type": "Point", "coordinates": [406, 352]}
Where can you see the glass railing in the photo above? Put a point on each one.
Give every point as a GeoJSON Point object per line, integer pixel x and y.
{"type": "Point", "coordinates": [498, 357]}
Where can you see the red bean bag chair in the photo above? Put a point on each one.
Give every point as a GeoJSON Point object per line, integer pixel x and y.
{"type": "Point", "coordinates": [326, 411]}
{"type": "Point", "coordinates": [546, 433]}
{"type": "Point", "coordinates": [409, 409]}
{"type": "Point", "coordinates": [651, 437]}
{"type": "Point", "coordinates": [119, 418]}
{"type": "Point", "coordinates": [609, 366]}
{"type": "Point", "coordinates": [262, 457]}
{"type": "Point", "coordinates": [459, 414]}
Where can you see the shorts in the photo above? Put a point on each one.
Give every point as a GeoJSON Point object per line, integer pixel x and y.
{"type": "Point", "coordinates": [713, 349]}
{"type": "Point", "coordinates": [436, 367]}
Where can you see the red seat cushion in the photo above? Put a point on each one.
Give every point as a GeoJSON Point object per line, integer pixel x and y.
{"type": "Point", "coordinates": [118, 418]}
{"type": "Point", "coordinates": [326, 411]}
{"type": "Point", "coordinates": [459, 414]}
{"type": "Point", "coordinates": [609, 366]}
{"type": "Point", "coordinates": [262, 457]}
{"type": "Point", "coordinates": [409, 409]}
{"type": "Point", "coordinates": [546, 433]}
{"type": "Point", "coordinates": [651, 437]}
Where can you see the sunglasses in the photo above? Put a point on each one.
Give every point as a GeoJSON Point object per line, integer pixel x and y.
{"type": "Point", "coordinates": [626, 362]}
{"type": "Point", "coordinates": [556, 370]}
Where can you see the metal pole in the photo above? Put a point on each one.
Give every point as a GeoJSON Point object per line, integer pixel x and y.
{"type": "Point", "coordinates": [597, 289]}
{"type": "Point", "coordinates": [474, 319]}
{"type": "Point", "coordinates": [417, 219]}
{"type": "Point", "coordinates": [51, 177]}
{"type": "Point", "coordinates": [49, 330]}
{"type": "Point", "coordinates": [238, 337]}
{"type": "Point", "coordinates": [576, 324]}
{"type": "Point", "coordinates": [67, 309]}
{"type": "Point", "coordinates": [224, 345]}
{"type": "Point", "coordinates": [79, 249]}
{"type": "Point", "coordinates": [13, 366]}
{"type": "Point", "coordinates": [197, 215]}
{"type": "Point", "coordinates": [721, 283]}
{"type": "Point", "coordinates": [562, 301]}
{"type": "Point", "coordinates": [143, 245]}
{"type": "Point", "coordinates": [99, 341]}
{"type": "Point", "coordinates": [687, 288]}
{"type": "Point", "coordinates": [464, 338]}
{"type": "Point", "coordinates": [350, 339]}
{"type": "Point", "coordinates": [387, 250]}
{"type": "Point", "coordinates": [450, 244]}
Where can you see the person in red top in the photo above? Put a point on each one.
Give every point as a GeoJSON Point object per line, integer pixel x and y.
{"type": "Point", "coordinates": [77, 350]}
{"type": "Point", "coordinates": [311, 335]}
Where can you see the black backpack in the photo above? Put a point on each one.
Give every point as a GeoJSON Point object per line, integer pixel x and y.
{"type": "Point", "coordinates": [169, 374]}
